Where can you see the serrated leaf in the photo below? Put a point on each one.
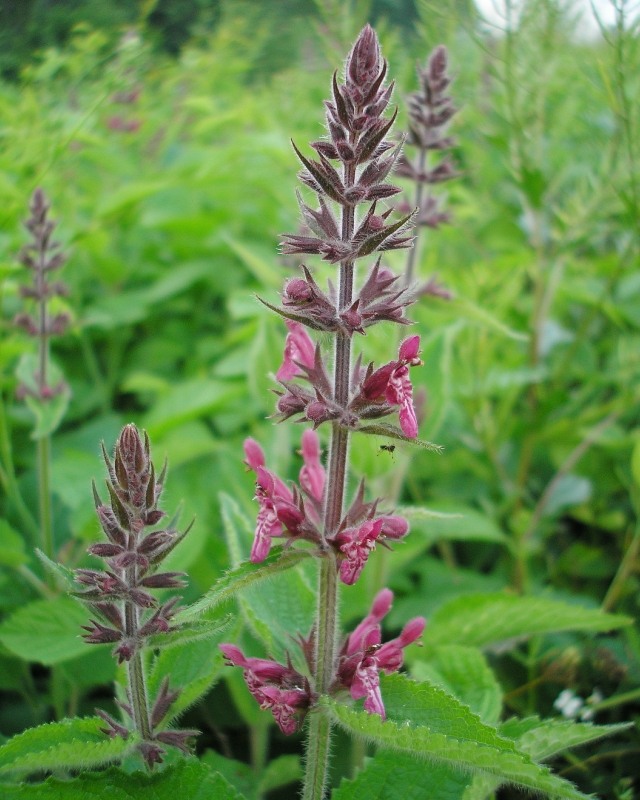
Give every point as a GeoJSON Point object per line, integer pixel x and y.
{"type": "Point", "coordinates": [69, 744]}
{"type": "Point", "coordinates": [484, 619]}
{"type": "Point", "coordinates": [464, 673]}
{"type": "Point", "coordinates": [190, 779]}
{"type": "Point", "coordinates": [239, 579]}
{"type": "Point", "coordinates": [542, 739]}
{"type": "Point", "coordinates": [424, 721]}
{"type": "Point", "coordinates": [46, 631]}
{"type": "Point", "coordinates": [396, 776]}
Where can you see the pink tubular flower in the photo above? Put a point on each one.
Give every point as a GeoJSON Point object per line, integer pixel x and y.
{"type": "Point", "coordinates": [355, 544]}
{"type": "Point", "coordinates": [312, 475]}
{"type": "Point", "coordinates": [392, 383]}
{"type": "Point", "coordinates": [299, 348]}
{"type": "Point", "coordinates": [363, 656]}
{"type": "Point", "coordinates": [281, 689]}
{"type": "Point", "coordinates": [283, 512]}
{"type": "Point", "coordinates": [277, 509]}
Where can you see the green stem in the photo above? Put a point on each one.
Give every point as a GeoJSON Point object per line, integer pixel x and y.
{"type": "Point", "coordinates": [44, 495]}
{"type": "Point", "coordinates": [8, 477]}
{"type": "Point", "coordinates": [326, 626]}
{"type": "Point", "coordinates": [135, 668]}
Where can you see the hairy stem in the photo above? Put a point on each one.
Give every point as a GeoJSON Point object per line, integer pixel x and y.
{"type": "Point", "coordinates": [135, 667]}
{"type": "Point", "coordinates": [319, 740]}
{"type": "Point", "coordinates": [44, 495]}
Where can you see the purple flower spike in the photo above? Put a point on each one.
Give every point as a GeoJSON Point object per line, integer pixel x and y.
{"type": "Point", "coordinates": [298, 349]}
{"type": "Point", "coordinates": [363, 655]}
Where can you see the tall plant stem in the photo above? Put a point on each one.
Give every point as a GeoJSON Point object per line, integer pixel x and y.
{"type": "Point", "coordinates": [319, 739]}
{"type": "Point", "coordinates": [44, 495]}
{"type": "Point", "coordinates": [135, 667]}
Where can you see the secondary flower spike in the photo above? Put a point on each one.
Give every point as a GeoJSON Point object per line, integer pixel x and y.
{"type": "Point", "coordinates": [363, 655]}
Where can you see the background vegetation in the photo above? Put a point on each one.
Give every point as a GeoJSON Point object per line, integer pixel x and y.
{"type": "Point", "coordinates": [162, 138]}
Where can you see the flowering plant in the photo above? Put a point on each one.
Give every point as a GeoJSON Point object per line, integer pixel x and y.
{"type": "Point", "coordinates": [443, 719]}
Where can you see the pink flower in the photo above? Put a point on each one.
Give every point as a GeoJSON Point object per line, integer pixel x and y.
{"type": "Point", "coordinates": [277, 509]}
{"type": "Point", "coordinates": [282, 510]}
{"type": "Point", "coordinates": [312, 475]}
{"type": "Point", "coordinates": [356, 544]}
{"type": "Point", "coordinates": [298, 349]}
{"type": "Point", "coordinates": [392, 383]}
{"type": "Point", "coordinates": [363, 656]}
{"type": "Point", "coordinates": [282, 690]}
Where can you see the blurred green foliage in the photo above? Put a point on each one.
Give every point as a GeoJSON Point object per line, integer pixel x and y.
{"type": "Point", "coordinates": [172, 177]}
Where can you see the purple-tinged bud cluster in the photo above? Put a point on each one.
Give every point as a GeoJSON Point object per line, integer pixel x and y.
{"type": "Point", "coordinates": [127, 613]}
{"type": "Point", "coordinates": [42, 257]}
{"type": "Point", "coordinates": [287, 693]}
{"type": "Point", "coordinates": [430, 112]}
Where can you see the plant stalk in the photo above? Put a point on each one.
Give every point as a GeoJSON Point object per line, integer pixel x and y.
{"type": "Point", "coordinates": [135, 667]}
{"type": "Point", "coordinates": [326, 628]}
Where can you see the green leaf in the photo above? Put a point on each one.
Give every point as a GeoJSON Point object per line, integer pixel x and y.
{"type": "Point", "coordinates": [47, 631]}
{"type": "Point", "coordinates": [425, 721]}
{"type": "Point", "coordinates": [65, 577]}
{"type": "Point", "coordinates": [464, 673]}
{"type": "Point", "coordinates": [397, 776]}
{"type": "Point", "coordinates": [48, 412]}
{"type": "Point", "coordinates": [542, 739]}
{"type": "Point", "coordinates": [393, 432]}
{"type": "Point", "coordinates": [281, 771]}
{"type": "Point", "coordinates": [240, 775]}
{"type": "Point", "coordinates": [189, 400]}
{"type": "Point", "coordinates": [192, 668]}
{"type": "Point", "coordinates": [279, 611]}
{"type": "Point", "coordinates": [463, 524]}
{"type": "Point", "coordinates": [240, 578]}
{"type": "Point", "coordinates": [12, 550]}
{"type": "Point", "coordinates": [238, 529]}
{"type": "Point", "coordinates": [189, 632]}
{"type": "Point", "coordinates": [69, 744]}
{"type": "Point", "coordinates": [469, 309]}
{"type": "Point", "coordinates": [261, 267]}
{"type": "Point", "coordinates": [483, 619]}
{"type": "Point", "coordinates": [189, 778]}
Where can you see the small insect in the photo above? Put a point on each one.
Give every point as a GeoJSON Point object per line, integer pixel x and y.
{"type": "Point", "coordinates": [388, 448]}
